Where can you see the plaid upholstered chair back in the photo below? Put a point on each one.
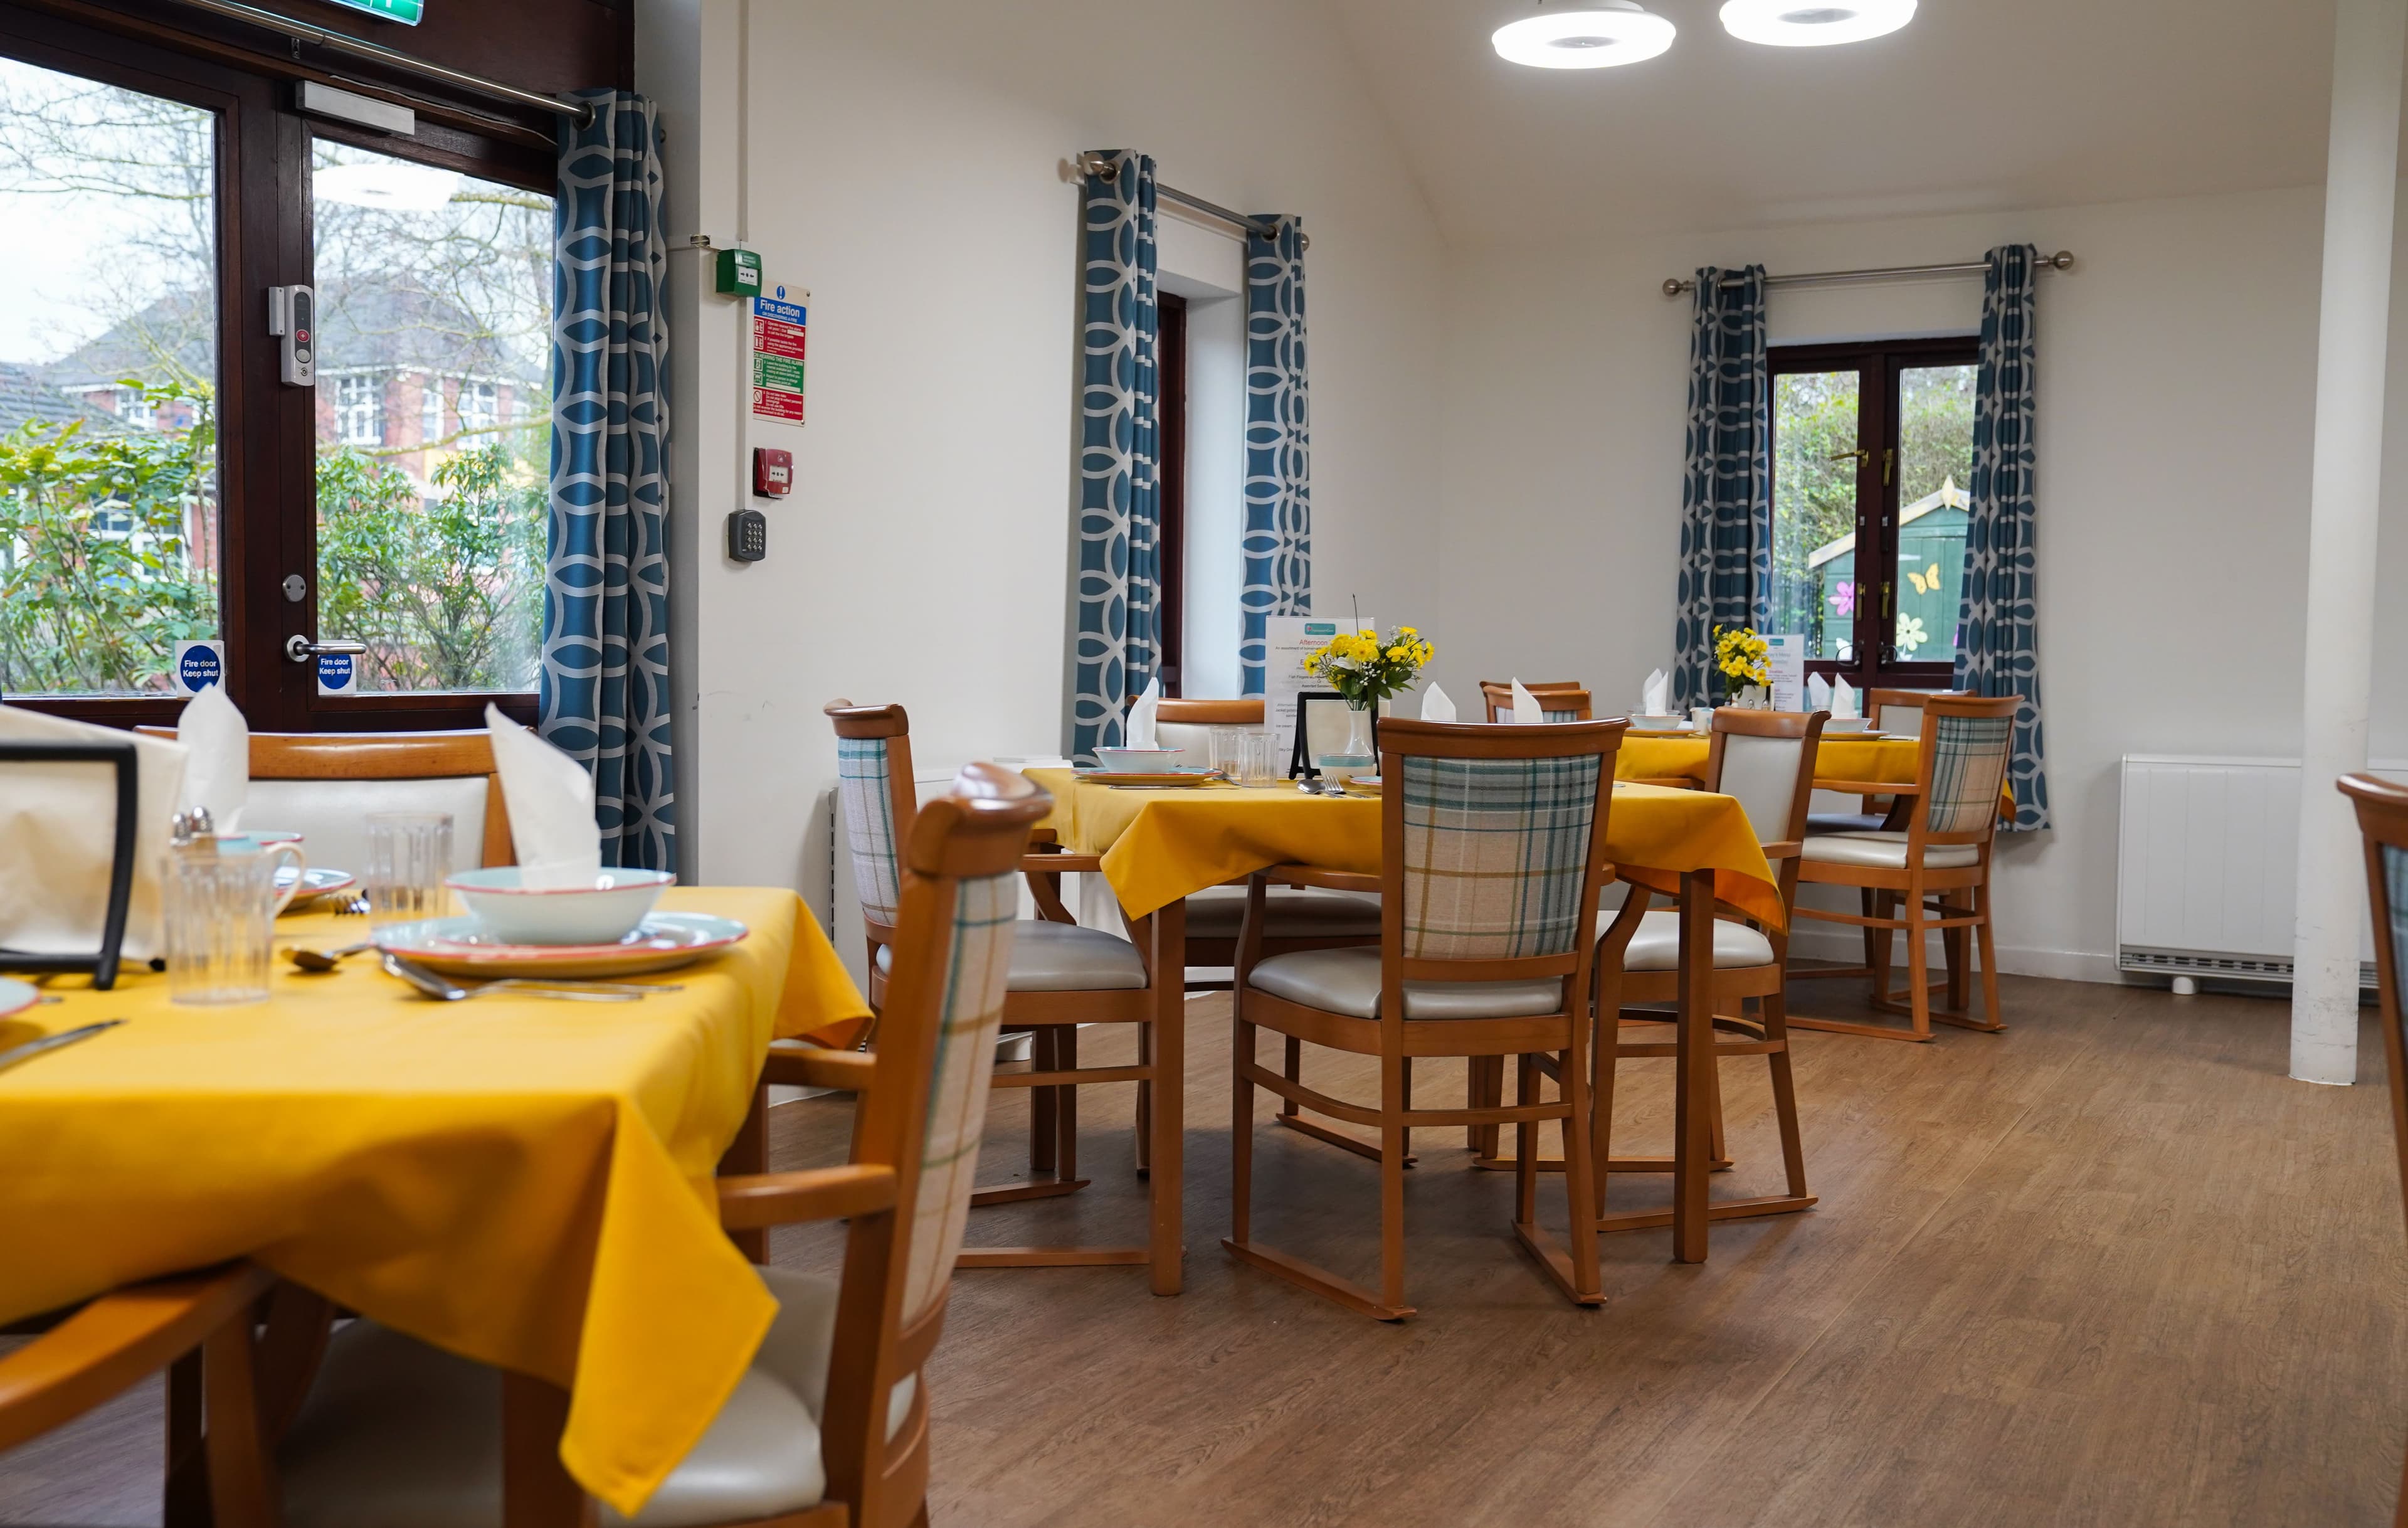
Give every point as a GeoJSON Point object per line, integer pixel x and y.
{"type": "Point", "coordinates": [873, 768]}
{"type": "Point", "coordinates": [1965, 743]}
{"type": "Point", "coordinates": [1500, 832]}
{"type": "Point", "coordinates": [925, 1112]}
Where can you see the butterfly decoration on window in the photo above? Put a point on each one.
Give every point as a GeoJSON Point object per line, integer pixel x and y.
{"type": "Point", "coordinates": [1926, 581]}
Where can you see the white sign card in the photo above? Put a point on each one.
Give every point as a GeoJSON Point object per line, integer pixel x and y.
{"type": "Point", "coordinates": [199, 665]}
{"type": "Point", "coordinates": [1287, 642]}
{"type": "Point", "coordinates": [339, 673]}
{"type": "Point", "coordinates": [1786, 658]}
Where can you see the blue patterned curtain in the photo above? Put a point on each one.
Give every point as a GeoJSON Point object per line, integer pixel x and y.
{"type": "Point", "coordinates": [1120, 503]}
{"type": "Point", "coordinates": [1998, 639]}
{"type": "Point", "coordinates": [605, 684]}
{"type": "Point", "coordinates": [1279, 444]}
{"type": "Point", "coordinates": [1727, 493]}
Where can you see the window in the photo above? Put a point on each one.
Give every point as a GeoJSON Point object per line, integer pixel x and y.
{"type": "Point", "coordinates": [1872, 458]}
{"type": "Point", "coordinates": [176, 182]}
{"type": "Point", "coordinates": [359, 410]}
{"type": "Point", "coordinates": [1171, 471]}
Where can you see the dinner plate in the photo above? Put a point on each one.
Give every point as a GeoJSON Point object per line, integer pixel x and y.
{"type": "Point", "coordinates": [1684, 730]}
{"type": "Point", "coordinates": [16, 997]}
{"type": "Point", "coordinates": [459, 946]}
{"type": "Point", "coordinates": [1152, 779]}
{"type": "Point", "coordinates": [315, 882]}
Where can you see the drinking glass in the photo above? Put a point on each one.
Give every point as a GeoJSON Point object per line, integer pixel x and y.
{"type": "Point", "coordinates": [1255, 759]}
{"type": "Point", "coordinates": [410, 853]}
{"type": "Point", "coordinates": [1226, 742]}
{"type": "Point", "coordinates": [220, 910]}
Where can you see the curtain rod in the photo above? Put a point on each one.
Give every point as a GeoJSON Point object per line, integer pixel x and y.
{"type": "Point", "coordinates": [1104, 170]}
{"type": "Point", "coordinates": [2062, 260]}
{"type": "Point", "coordinates": [301, 32]}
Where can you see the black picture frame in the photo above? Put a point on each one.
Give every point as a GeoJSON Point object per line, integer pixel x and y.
{"type": "Point", "coordinates": [1299, 761]}
{"type": "Point", "coordinates": [102, 962]}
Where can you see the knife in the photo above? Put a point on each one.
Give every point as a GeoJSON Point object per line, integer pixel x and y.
{"type": "Point", "coordinates": [51, 1042]}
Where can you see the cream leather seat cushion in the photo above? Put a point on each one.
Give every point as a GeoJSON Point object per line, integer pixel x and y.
{"type": "Point", "coordinates": [1063, 958]}
{"type": "Point", "coordinates": [332, 815]}
{"type": "Point", "coordinates": [1348, 982]}
{"type": "Point", "coordinates": [1844, 822]}
{"type": "Point", "coordinates": [1290, 912]}
{"type": "Point", "coordinates": [1656, 946]}
{"type": "Point", "coordinates": [399, 1434]}
{"type": "Point", "coordinates": [1886, 851]}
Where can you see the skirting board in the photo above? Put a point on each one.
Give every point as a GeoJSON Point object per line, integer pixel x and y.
{"type": "Point", "coordinates": [1847, 947]}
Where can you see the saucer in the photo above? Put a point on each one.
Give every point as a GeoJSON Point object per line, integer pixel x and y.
{"type": "Point", "coordinates": [461, 947]}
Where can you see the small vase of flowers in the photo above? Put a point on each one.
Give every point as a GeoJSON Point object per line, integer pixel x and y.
{"type": "Point", "coordinates": [1367, 669]}
{"type": "Point", "coordinates": [1741, 657]}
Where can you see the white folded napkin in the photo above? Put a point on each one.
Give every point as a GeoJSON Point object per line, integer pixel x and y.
{"type": "Point", "coordinates": [1526, 710]}
{"type": "Point", "coordinates": [58, 828]}
{"type": "Point", "coordinates": [1141, 720]}
{"type": "Point", "coordinates": [1818, 693]}
{"type": "Point", "coordinates": [216, 773]}
{"type": "Point", "coordinates": [551, 801]}
{"type": "Point", "coordinates": [1654, 695]}
{"type": "Point", "coordinates": [1436, 707]}
{"type": "Point", "coordinates": [1843, 700]}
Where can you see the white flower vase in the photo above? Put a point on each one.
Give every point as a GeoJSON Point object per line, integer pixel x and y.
{"type": "Point", "coordinates": [1754, 697]}
{"type": "Point", "coordinates": [1357, 757]}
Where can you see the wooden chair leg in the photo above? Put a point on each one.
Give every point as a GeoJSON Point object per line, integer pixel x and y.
{"type": "Point", "coordinates": [1163, 1194]}
{"type": "Point", "coordinates": [1952, 947]}
{"type": "Point", "coordinates": [1884, 905]}
{"type": "Point", "coordinates": [1525, 1141]}
{"type": "Point", "coordinates": [1066, 1109]}
{"type": "Point", "coordinates": [241, 1490]}
{"type": "Point", "coordinates": [1919, 961]}
{"type": "Point", "coordinates": [1044, 1124]}
{"type": "Point", "coordinates": [1293, 1071]}
{"type": "Point", "coordinates": [1392, 1182]}
{"type": "Point", "coordinates": [1143, 1135]}
{"type": "Point", "coordinates": [1714, 1114]}
{"type": "Point", "coordinates": [1990, 1009]}
{"type": "Point", "coordinates": [1242, 1128]}
{"type": "Point", "coordinates": [536, 1489]}
{"type": "Point", "coordinates": [1785, 1091]}
{"type": "Point", "coordinates": [187, 1501]}
{"type": "Point", "coordinates": [1409, 1103]}
{"type": "Point", "coordinates": [1607, 1053]}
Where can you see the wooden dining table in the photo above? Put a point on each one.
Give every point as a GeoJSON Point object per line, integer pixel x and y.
{"type": "Point", "coordinates": [1160, 846]}
{"type": "Point", "coordinates": [527, 1183]}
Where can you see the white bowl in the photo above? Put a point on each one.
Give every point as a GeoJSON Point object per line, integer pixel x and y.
{"type": "Point", "coordinates": [1658, 721]}
{"type": "Point", "coordinates": [1842, 724]}
{"type": "Point", "coordinates": [601, 913]}
{"type": "Point", "coordinates": [1137, 760]}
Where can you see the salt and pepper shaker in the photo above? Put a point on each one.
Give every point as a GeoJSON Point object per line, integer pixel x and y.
{"type": "Point", "coordinates": [193, 832]}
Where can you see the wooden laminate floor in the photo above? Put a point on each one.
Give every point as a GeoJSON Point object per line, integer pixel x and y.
{"type": "Point", "coordinates": [2109, 1267]}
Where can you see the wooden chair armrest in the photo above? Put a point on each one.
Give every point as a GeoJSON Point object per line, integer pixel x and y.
{"type": "Point", "coordinates": [1789, 850]}
{"type": "Point", "coordinates": [761, 1199]}
{"type": "Point", "coordinates": [1061, 864]}
{"type": "Point", "coordinates": [1040, 836]}
{"type": "Point", "coordinates": [1331, 880]}
{"type": "Point", "coordinates": [120, 1338]}
{"type": "Point", "coordinates": [1866, 787]}
{"type": "Point", "coordinates": [820, 1067]}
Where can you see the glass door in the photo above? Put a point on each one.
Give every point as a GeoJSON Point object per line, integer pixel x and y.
{"type": "Point", "coordinates": [112, 503]}
{"type": "Point", "coordinates": [433, 419]}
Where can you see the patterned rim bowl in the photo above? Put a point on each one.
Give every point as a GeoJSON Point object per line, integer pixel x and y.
{"type": "Point", "coordinates": [599, 914]}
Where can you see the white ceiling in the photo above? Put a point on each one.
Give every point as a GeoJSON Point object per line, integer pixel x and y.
{"type": "Point", "coordinates": [1977, 105]}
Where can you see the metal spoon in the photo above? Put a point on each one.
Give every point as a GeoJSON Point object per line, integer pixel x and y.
{"type": "Point", "coordinates": [438, 988]}
{"type": "Point", "coordinates": [325, 959]}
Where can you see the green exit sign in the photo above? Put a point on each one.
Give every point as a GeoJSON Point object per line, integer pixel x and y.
{"type": "Point", "coordinates": [407, 12]}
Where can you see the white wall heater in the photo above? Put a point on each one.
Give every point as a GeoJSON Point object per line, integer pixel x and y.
{"type": "Point", "coordinates": [2207, 868]}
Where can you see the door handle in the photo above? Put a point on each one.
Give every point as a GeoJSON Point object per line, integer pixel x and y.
{"type": "Point", "coordinates": [300, 649]}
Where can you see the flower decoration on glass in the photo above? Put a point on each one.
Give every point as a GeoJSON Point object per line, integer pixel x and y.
{"type": "Point", "coordinates": [1367, 667]}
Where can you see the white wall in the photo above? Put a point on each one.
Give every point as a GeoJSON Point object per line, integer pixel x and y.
{"type": "Point", "coordinates": [905, 164]}
{"type": "Point", "coordinates": [2176, 387]}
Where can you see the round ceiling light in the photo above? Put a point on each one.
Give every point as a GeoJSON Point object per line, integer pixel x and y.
{"type": "Point", "coordinates": [1608, 33]}
{"type": "Point", "coordinates": [1813, 23]}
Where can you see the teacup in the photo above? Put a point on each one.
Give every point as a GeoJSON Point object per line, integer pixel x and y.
{"type": "Point", "coordinates": [1656, 721]}
{"type": "Point", "coordinates": [1701, 718]}
{"type": "Point", "coordinates": [1833, 724]}
{"type": "Point", "coordinates": [276, 845]}
{"type": "Point", "coordinates": [603, 913]}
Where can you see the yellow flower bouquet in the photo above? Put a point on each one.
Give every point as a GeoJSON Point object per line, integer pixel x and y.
{"type": "Point", "coordinates": [1742, 656]}
{"type": "Point", "coordinates": [1367, 667]}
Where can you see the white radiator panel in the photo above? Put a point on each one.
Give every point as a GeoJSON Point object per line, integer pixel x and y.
{"type": "Point", "coordinates": [2208, 866]}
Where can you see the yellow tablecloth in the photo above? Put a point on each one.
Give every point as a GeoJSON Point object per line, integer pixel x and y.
{"type": "Point", "coordinates": [1893, 762]}
{"type": "Point", "coordinates": [1160, 846]}
{"type": "Point", "coordinates": [524, 1182]}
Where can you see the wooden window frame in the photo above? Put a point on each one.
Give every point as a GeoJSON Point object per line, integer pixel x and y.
{"type": "Point", "coordinates": [267, 455]}
{"type": "Point", "coordinates": [1170, 474]}
{"type": "Point", "coordinates": [1878, 364]}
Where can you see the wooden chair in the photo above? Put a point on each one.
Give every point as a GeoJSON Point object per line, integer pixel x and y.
{"type": "Point", "coordinates": [1494, 839]}
{"type": "Point", "coordinates": [1561, 700]}
{"type": "Point", "coordinates": [1952, 814]}
{"type": "Point", "coordinates": [2383, 818]}
{"type": "Point", "coordinates": [324, 786]}
{"type": "Point", "coordinates": [1063, 976]}
{"type": "Point", "coordinates": [197, 1327]}
{"type": "Point", "coordinates": [1767, 761]}
{"type": "Point", "coordinates": [829, 1429]}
